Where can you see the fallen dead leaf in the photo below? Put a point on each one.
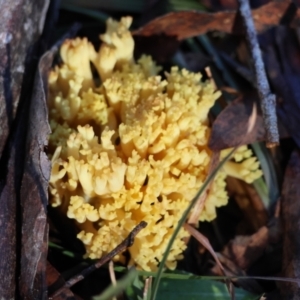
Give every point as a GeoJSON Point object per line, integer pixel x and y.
{"type": "Point", "coordinates": [187, 24]}
{"type": "Point", "coordinates": [244, 250]}
{"type": "Point", "coordinates": [230, 129]}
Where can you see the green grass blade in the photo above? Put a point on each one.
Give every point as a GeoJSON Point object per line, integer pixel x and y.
{"type": "Point", "coordinates": [262, 191]}
{"type": "Point", "coordinates": [182, 221]}
{"type": "Point", "coordinates": [62, 249]}
{"type": "Point", "coordinates": [267, 189]}
{"type": "Point", "coordinates": [177, 285]}
{"type": "Point", "coordinates": [115, 290]}
{"type": "Point", "coordinates": [193, 289]}
{"type": "Point", "coordinates": [177, 5]}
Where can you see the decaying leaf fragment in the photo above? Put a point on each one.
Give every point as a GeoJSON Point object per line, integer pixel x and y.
{"type": "Point", "coordinates": [245, 250]}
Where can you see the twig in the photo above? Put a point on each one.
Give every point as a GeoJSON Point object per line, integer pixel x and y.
{"type": "Point", "coordinates": [112, 275]}
{"type": "Point", "coordinates": [268, 100]}
{"type": "Point", "coordinates": [147, 287]}
{"type": "Point", "coordinates": [128, 242]}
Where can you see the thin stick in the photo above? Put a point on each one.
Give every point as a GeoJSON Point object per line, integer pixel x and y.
{"type": "Point", "coordinates": [268, 100]}
{"type": "Point", "coordinates": [148, 283]}
{"type": "Point", "coordinates": [112, 275]}
{"type": "Point", "coordinates": [128, 242]}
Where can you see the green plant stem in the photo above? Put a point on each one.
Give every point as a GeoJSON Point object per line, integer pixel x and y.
{"type": "Point", "coordinates": [267, 189]}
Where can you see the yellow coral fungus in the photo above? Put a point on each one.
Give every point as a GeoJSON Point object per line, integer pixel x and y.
{"type": "Point", "coordinates": [133, 148]}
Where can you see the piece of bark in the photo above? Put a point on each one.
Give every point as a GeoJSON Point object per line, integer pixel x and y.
{"type": "Point", "coordinates": [290, 210]}
{"type": "Point", "coordinates": [8, 230]}
{"type": "Point", "coordinates": [34, 190]}
{"type": "Point", "coordinates": [21, 24]}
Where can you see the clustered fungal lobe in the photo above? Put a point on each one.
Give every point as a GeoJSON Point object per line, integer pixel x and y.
{"type": "Point", "coordinates": [133, 147]}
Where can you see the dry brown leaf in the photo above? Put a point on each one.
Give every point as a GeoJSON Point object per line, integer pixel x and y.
{"type": "Point", "coordinates": [244, 250]}
{"type": "Point", "coordinates": [187, 24]}
{"type": "Point", "coordinates": [230, 129]}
